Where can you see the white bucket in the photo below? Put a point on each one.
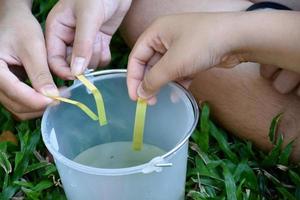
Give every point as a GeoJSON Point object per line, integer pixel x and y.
{"type": "Point", "coordinates": [67, 132]}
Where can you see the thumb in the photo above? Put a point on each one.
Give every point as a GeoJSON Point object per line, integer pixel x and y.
{"type": "Point", "coordinates": [88, 22]}
{"type": "Point", "coordinates": [164, 71]}
{"type": "Point", "coordinates": [34, 59]}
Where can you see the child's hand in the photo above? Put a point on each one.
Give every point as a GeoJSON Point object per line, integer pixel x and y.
{"type": "Point", "coordinates": [284, 81]}
{"type": "Point", "coordinates": [175, 48]}
{"type": "Point", "coordinates": [86, 27]}
{"type": "Point", "coordinates": [22, 45]}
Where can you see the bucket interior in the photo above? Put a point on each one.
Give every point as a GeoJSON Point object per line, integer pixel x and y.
{"type": "Point", "coordinates": [69, 132]}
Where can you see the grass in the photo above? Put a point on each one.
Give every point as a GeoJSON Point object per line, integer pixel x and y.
{"type": "Point", "coordinates": [220, 166]}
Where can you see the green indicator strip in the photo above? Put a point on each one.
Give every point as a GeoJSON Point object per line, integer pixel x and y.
{"type": "Point", "coordinates": [139, 124]}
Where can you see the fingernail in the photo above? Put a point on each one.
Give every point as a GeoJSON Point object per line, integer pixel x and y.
{"type": "Point", "coordinates": [78, 66]}
{"type": "Point", "coordinates": [50, 90]}
{"type": "Point", "coordinates": [141, 92]}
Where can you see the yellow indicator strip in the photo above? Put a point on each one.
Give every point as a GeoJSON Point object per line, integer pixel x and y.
{"type": "Point", "coordinates": [139, 124]}
{"type": "Point", "coordinates": [83, 107]}
{"type": "Point", "coordinates": [98, 99]}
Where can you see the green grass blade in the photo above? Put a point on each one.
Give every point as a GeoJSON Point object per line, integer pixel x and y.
{"type": "Point", "coordinates": [295, 178]}
{"type": "Point", "coordinates": [285, 154]}
{"type": "Point", "coordinates": [4, 162]}
{"type": "Point", "coordinates": [273, 128]}
{"type": "Point", "coordinates": [272, 158]}
{"type": "Point", "coordinates": [223, 143]}
{"type": "Point", "coordinates": [203, 140]}
{"type": "Point", "coordinates": [36, 166]}
{"type": "Point", "coordinates": [285, 193]}
{"type": "Point", "coordinates": [44, 184]}
{"type": "Point", "coordinates": [230, 185]}
{"type": "Point", "coordinates": [244, 171]}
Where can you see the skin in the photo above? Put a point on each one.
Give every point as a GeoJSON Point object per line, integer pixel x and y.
{"type": "Point", "coordinates": [284, 81]}
{"type": "Point", "coordinates": [218, 39]}
{"type": "Point", "coordinates": [82, 29]}
{"type": "Point", "coordinates": [23, 51]}
{"type": "Point", "coordinates": [87, 37]}
{"type": "Point", "coordinates": [242, 101]}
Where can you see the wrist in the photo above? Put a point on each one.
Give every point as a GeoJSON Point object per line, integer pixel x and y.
{"type": "Point", "coordinates": [230, 36]}
{"type": "Point", "coordinates": [242, 36]}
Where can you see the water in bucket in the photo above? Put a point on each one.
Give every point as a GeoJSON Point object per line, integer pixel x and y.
{"type": "Point", "coordinates": [117, 155]}
{"type": "Point", "coordinates": [98, 162]}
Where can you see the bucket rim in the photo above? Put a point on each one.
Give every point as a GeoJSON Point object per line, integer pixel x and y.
{"type": "Point", "coordinates": [119, 171]}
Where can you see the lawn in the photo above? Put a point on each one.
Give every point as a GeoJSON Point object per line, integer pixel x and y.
{"type": "Point", "coordinates": [220, 166]}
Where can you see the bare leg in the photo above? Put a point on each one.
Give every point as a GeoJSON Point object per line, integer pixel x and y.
{"type": "Point", "coordinates": [242, 101]}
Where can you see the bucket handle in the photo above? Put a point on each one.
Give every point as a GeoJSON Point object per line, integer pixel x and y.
{"type": "Point", "coordinates": [156, 165]}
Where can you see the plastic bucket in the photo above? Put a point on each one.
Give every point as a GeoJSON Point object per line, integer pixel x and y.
{"type": "Point", "coordinates": [67, 132]}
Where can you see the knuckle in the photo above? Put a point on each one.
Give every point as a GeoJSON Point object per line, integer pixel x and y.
{"type": "Point", "coordinates": [38, 45]}
{"type": "Point", "coordinates": [42, 77]}
{"type": "Point", "coordinates": [32, 46]}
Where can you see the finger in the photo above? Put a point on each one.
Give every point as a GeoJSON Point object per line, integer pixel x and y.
{"type": "Point", "coordinates": [19, 92]}
{"type": "Point", "coordinates": [69, 54]}
{"type": "Point", "coordinates": [105, 51]}
{"type": "Point", "coordinates": [153, 60]}
{"type": "Point", "coordinates": [34, 58]}
{"type": "Point", "coordinates": [96, 55]}
{"type": "Point", "coordinates": [100, 57]}
{"type": "Point", "coordinates": [286, 81]}
{"type": "Point", "coordinates": [268, 71]}
{"type": "Point", "coordinates": [88, 23]}
{"type": "Point", "coordinates": [12, 105]}
{"type": "Point", "coordinates": [140, 55]}
{"type": "Point", "coordinates": [58, 36]}
{"type": "Point", "coordinates": [165, 70]}
{"type": "Point", "coordinates": [27, 116]}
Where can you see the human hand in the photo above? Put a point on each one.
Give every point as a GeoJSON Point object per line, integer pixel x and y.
{"type": "Point", "coordinates": [22, 45]}
{"type": "Point", "coordinates": [85, 28]}
{"type": "Point", "coordinates": [284, 81]}
{"type": "Point", "coordinates": [177, 47]}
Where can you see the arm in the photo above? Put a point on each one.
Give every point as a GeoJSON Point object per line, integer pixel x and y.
{"type": "Point", "coordinates": [206, 40]}
{"type": "Point", "coordinates": [270, 38]}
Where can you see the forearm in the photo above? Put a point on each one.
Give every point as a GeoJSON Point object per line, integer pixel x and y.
{"type": "Point", "coordinates": [270, 38]}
